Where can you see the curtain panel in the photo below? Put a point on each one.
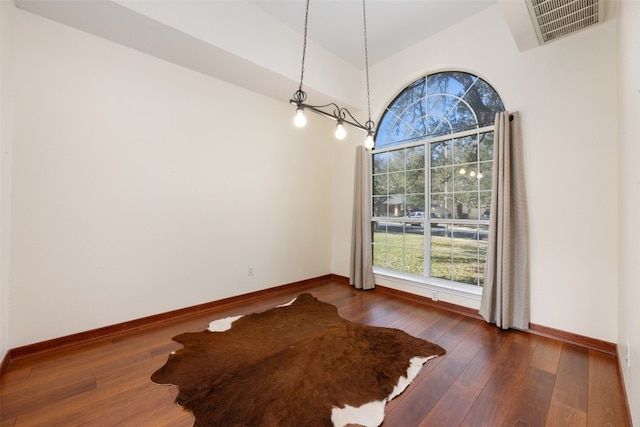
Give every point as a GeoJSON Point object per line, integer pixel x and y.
{"type": "Point", "coordinates": [361, 266]}
{"type": "Point", "coordinates": [505, 297]}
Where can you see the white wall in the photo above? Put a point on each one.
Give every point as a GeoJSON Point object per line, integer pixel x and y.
{"type": "Point", "coordinates": [6, 126]}
{"type": "Point", "coordinates": [629, 196]}
{"type": "Point", "coordinates": [565, 92]}
{"type": "Point", "coordinates": [141, 187]}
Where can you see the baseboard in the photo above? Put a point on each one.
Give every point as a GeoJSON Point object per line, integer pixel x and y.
{"type": "Point", "coordinates": [150, 321]}
{"type": "Point", "coordinates": [4, 365]}
{"type": "Point", "coordinates": [107, 332]}
{"type": "Point", "coordinates": [466, 311]}
{"type": "Point", "coordinates": [571, 338]}
{"type": "Point", "coordinates": [567, 337]}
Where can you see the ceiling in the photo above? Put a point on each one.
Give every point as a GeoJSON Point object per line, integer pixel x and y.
{"type": "Point", "coordinates": [257, 44]}
{"type": "Point", "coordinates": [392, 25]}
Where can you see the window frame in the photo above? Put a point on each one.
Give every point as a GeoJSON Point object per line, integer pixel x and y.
{"type": "Point", "coordinates": [425, 280]}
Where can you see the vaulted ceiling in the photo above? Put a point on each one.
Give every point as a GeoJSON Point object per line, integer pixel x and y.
{"type": "Point", "coordinates": [257, 44]}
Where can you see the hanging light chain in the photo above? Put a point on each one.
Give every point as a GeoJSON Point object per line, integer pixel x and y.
{"type": "Point", "coordinates": [369, 124]}
{"type": "Point", "coordinates": [341, 115]}
{"type": "Point", "coordinates": [300, 95]}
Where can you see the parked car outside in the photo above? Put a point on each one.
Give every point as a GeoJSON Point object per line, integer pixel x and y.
{"type": "Point", "coordinates": [417, 215]}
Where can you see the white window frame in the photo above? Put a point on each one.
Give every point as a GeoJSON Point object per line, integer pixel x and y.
{"type": "Point", "coordinates": [425, 281]}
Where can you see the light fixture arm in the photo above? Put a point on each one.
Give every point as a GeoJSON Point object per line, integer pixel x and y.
{"type": "Point", "coordinates": [339, 114]}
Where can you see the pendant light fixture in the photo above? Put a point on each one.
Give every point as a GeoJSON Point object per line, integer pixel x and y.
{"type": "Point", "coordinates": [341, 115]}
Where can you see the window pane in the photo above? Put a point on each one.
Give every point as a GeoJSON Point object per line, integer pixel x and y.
{"type": "Point", "coordinates": [379, 235]}
{"type": "Point", "coordinates": [471, 208]}
{"type": "Point", "coordinates": [484, 177]}
{"type": "Point", "coordinates": [380, 255]}
{"type": "Point", "coordinates": [440, 250]}
{"type": "Point", "coordinates": [465, 150]}
{"type": "Point", "coordinates": [486, 146]}
{"type": "Point", "coordinates": [404, 118]}
{"type": "Point", "coordinates": [485, 205]}
{"type": "Point", "coordinates": [380, 206]}
{"type": "Point", "coordinates": [442, 180]}
{"type": "Point", "coordinates": [415, 181]}
{"type": "Point", "coordinates": [394, 256]}
{"type": "Point", "coordinates": [380, 185]}
{"type": "Point", "coordinates": [441, 154]}
{"type": "Point", "coordinates": [466, 205]}
{"type": "Point", "coordinates": [380, 161]}
{"type": "Point", "coordinates": [483, 231]}
{"type": "Point", "coordinates": [485, 102]}
{"type": "Point", "coordinates": [466, 178]}
{"type": "Point", "coordinates": [465, 237]}
{"type": "Point", "coordinates": [415, 203]}
{"type": "Point", "coordinates": [483, 237]}
{"type": "Point", "coordinates": [465, 254]}
{"type": "Point", "coordinates": [462, 118]}
{"type": "Point", "coordinates": [395, 205]}
{"type": "Point", "coordinates": [415, 157]}
{"type": "Point", "coordinates": [453, 83]}
{"type": "Point", "coordinates": [441, 106]}
{"type": "Point", "coordinates": [465, 268]}
{"type": "Point", "coordinates": [414, 260]}
{"type": "Point", "coordinates": [397, 183]}
{"type": "Point", "coordinates": [414, 236]}
{"type": "Point", "coordinates": [396, 160]}
{"type": "Point", "coordinates": [438, 126]}
{"type": "Point", "coordinates": [441, 206]}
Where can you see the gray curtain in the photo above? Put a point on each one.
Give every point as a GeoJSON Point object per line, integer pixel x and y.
{"type": "Point", "coordinates": [361, 271]}
{"type": "Point", "coordinates": [505, 298]}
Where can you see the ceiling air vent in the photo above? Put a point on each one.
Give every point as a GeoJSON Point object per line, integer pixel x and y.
{"type": "Point", "coordinates": [557, 18]}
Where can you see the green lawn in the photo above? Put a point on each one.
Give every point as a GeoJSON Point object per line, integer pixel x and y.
{"type": "Point", "coordinates": [451, 258]}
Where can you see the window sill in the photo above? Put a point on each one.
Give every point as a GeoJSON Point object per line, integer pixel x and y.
{"type": "Point", "coordinates": [429, 284]}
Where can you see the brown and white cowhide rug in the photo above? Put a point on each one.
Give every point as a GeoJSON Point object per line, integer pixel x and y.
{"type": "Point", "coordinates": [299, 364]}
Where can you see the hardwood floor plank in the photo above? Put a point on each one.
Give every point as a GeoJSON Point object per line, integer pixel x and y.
{"type": "Point", "coordinates": [531, 402]}
{"type": "Point", "coordinates": [491, 408]}
{"type": "Point", "coordinates": [438, 374]}
{"type": "Point", "coordinates": [604, 409]}
{"type": "Point", "coordinates": [19, 403]}
{"type": "Point", "coordinates": [571, 387]}
{"type": "Point", "coordinates": [454, 405]}
{"type": "Point", "coordinates": [10, 422]}
{"type": "Point", "coordinates": [561, 415]}
{"type": "Point", "coordinates": [488, 377]}
{"type": "Point", "coordinates": [421, 396]}
{"type": "Point", "coordinates": [547, 355]}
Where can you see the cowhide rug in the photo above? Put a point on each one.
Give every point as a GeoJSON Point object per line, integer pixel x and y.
{"type": "Point", "coordinates": [299, 364]}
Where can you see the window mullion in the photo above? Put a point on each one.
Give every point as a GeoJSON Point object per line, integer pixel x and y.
{"type": "Point", "coordinates": [427, 213]}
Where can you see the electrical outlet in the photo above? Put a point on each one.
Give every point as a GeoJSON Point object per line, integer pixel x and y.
{"type": "Point", "coordinates": [249, 271]}
{"type": "Point", "coordinates": [434, 295]}
{"type": "Point", "coordinates": [628, 354]}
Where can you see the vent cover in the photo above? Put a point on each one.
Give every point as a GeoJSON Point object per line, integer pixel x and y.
{"type": "Point", "coordinates": [557, 18]}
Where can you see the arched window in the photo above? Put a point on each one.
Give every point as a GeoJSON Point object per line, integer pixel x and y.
{"type": "Point", "coordinates": [431, 190]}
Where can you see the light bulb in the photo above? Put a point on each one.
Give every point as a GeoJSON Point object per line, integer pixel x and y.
{"type": "Point", "coordinates": [480, 175]}
{"type": "Point", "coordinates": [340, 130]}
{"type": "Point", "coordinates": [300, 120]}
{"type": "Point", "coordinates": [472, 174]}
{"type": "Point", "coordinates": [368, 141]}
{"type": "Point", "coordinates": [462, 171]}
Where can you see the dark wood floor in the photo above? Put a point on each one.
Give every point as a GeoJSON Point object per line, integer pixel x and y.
{"type": "Point", "coordinates": [488, 377]}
